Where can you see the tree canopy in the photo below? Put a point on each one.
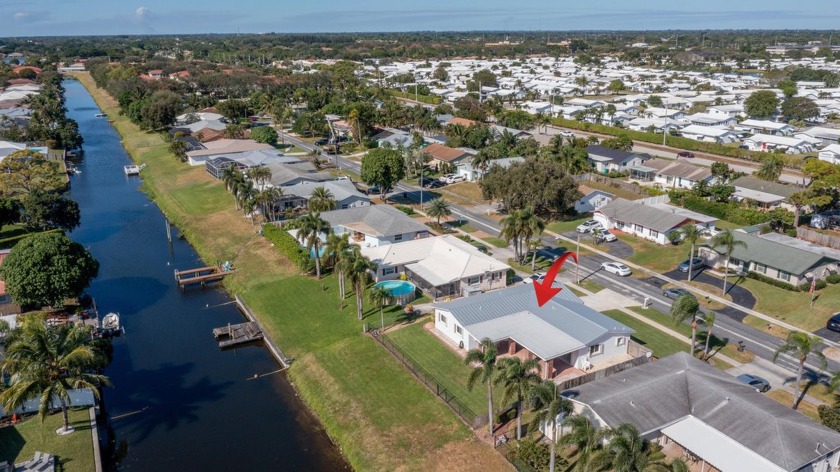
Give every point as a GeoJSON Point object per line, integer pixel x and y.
{"type": "Point", "coordinates": [542, 184]}
{"type": "Point", "coordinates": [799, 108]}
{"type": "Point", "coordinates": [46, 269]}
{"type": "Point", "coordinates": [383, 167]}
{"type": "Point", "coordinates": [264, 134]}
{"type": "Point", "coordinates": [761, 104]}
{"type": "Point", "coordinates": [44, 211]}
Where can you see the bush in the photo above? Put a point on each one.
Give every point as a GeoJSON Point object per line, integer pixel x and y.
{"type": "Point", "coordinates": [729, 211]}
{"type": "Point", "coordinates": [405, 209]}
{"type": "Point", "coordinates": [833, 278]}
{"type": "Point", "coordinates": [806, 286]}
{"type": "Point", "coordinates": [772, 281]}
{"type": "Point", "coordinates": [535, 455]}
{"type": "Point", "coordinates": [674, 237]}
{"type": "Point", "coordinates": [288, 246]}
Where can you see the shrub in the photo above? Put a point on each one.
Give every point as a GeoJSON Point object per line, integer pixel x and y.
{"type": "Point", "coordinates": [729, 211]}
{"type": "Point", "coordinates": [772, 281]}
{"type": "Point", "coordinates": [806, 286]}
{"type": "Point", "coordinates": [833, 278]}
{"type": "Point", "coordinates": [405, 209]}
{"type": "Point", "coordinates": [674, 237]}
{"type": "Point", "coordinates": [534, 455]}
{"type": "Point", "coordinates": [288, 246]}
{"type": "Point", "coordinates": [829, 416]}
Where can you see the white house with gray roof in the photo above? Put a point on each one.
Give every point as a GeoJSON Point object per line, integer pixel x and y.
{"type": "Point", "coordinates": [375, 225]}
{"type": "Point", "coordinates": [566, 336]}
{"type": "Point", "coordinates": [344, 192]}
{"type": "Point", "coordinates": [688, 406]}
{"type": "Point", "coordinates": [641, 219]}
{"type": "Point", "coordinates": [765, 194]}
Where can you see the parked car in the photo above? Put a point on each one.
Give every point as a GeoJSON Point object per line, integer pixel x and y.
{"type": "Point", "coordinates": [322, 142]}
{"type": "Point", "coordinates": [674, 293]}
{"type": "Point", "coordinates": [698, 263]}
{"type": "Point", "coordinates": [452, 178]}
{"type": "Point", "coordinates": [537, 276]}
{"type": "Point", "coordinates": [587, 226]}
{"type": "Point", "coordinates": [373, 190]}
{"type": "Point", "coordinates": [616, 268]}
{"type": "Point", "coordinates": [567, 134]}
{"type": "Point", "coordinates": [685, 154]}
{"type": "Point", "coordinates": [604, 236]}
{"type": "Point", "coordinates": [834, 323]}
{"type": "Point", "coordinates": [758, 383]}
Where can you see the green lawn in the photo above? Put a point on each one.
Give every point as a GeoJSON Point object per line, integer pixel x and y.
{"type": "Point", "coordinates": [498, 242]}
{"type": "Point", "coordinates": [444, 365]}
{"type": "Point", "coordinates": [564, 226]}
{"type": "Point", "coordinates": [660, 343]}
{"type": "Point", "coordinates": [74, 452]}
{"type": "Point", "coordinates": [541, 264]}
{"type": "Point", "coordinates": [655, 256]}
{"type": "Point", "coordinates": [723, 224]}
{"type": "Point", "coordinates": [794, 307]}
{"type": "Point", "coordinates": [591, 285]}
{"type": "Point", "coordinates": [463, 226]}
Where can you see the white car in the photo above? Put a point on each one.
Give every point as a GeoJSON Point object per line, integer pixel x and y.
{"type": "Point", "coordinates": [452, 178]}
{"type": "Point", "coordinates": [587, 226]}
{"type": "Point", "coordinates": [567, 134]}
{"type": "Point", "coordinates": [606, 236]}
{"type": "Point", "coordinates": [616, 268]}
{"type": "Point", "coordinates": [537, 276]}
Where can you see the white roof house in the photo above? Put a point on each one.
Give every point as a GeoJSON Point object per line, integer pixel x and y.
{"type": "Point", "coordinates": [709, 134]}
{"type": "Point", "coordinates": [768, 142]}
{"type": "Point", "coordinates": [830, 153]}
{"type": "Point", "coordinates": [766, 126]}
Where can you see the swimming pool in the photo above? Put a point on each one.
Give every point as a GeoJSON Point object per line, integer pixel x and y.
{"type": "Point", "coordinates": [401, 289]}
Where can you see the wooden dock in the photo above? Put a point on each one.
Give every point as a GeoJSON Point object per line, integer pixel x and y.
{"type": "Point", "coordinates": [201, 276]}
{"type": "Point", "coordinates": [233, 335]}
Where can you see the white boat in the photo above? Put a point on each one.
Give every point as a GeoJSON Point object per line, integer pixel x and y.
{"type": "Point", "coordinates": [111, 321]}
{"type": "Point", "coordinates": [133, 169]}
{"type": "Point", "coordinates": [101, 115]}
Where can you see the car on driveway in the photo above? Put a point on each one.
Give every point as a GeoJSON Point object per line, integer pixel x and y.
{"type": "Point", "coordinates": [452, 178]}
{"type": "Point", "coordinates": [616, 268]}
{"type": "Point", "coordinates": [685, 154]}
{"type": "Point", "coordinates": [758, 383]}
{"type": "Point", "coordinates": [604, 236]}
{"type": "Point", "coordinates": [567, 134]}
{"type": "Point", "coordinates": [674, 293]}
{"type": "Point", "coordinates": [587, 226]}
{"type": "Point", "coordinates": [430, 182]}
{"type": "Point", "coordinates": [536, 277]}
{"type": "Point", "coordinates": [834, 323]}
{"type": "Point", "coordinates": [322, 142]}
{"type": "Point", "coordinates": [698, 263]}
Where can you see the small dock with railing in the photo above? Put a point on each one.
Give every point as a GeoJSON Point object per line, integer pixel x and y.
{"type": "Point", "coordinates": [202, 275]}
{"type": "Point", "coordinates": [236, 334]}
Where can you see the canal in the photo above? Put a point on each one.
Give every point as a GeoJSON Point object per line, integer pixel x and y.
{"type": "Point", "coordinates": [178, 402]}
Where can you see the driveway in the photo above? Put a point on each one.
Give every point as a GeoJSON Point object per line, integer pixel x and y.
{"type": "Point", "coordinates": [739, 294]}
{"type": "Point", "coordinates": [618, 248]}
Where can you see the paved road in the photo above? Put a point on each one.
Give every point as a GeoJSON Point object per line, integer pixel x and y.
{"type": "Point", "coordinates": [728, 326]}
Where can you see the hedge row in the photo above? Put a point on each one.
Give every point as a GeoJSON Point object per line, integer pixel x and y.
{"type": "Point", "coordinates": [677, 142]}
{"type": "Point", "coordinates": [287, 245]}
{"type": "Point", "coordinates": [729, 211]}
{"type": "Point", "coordinates": [804, 287]}
{"type": "Point", "coordinates": [420, 98]}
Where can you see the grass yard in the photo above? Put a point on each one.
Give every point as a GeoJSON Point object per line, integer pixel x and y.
{"type": "Point", "coordinates": [769, 328]}
{"type": "Point", "coordinates": [617, 191]}
{"type": "Point", "coordinates": [786, 398]}
{"type": "Point", "coordinates": [659, 342]}
{"type": "Point", "coordinates": [498, 242]}
{"type": "Point", "coordinates": [466, 190]}
{"type": "Point", "coordinates": [73, 452]}
{"type": "Point", "coordinates": [591, 285]}
{"type": "Point", "coordinates": [542, 264]}
{"type": "Point", "coordinates": [565, 226]}
{"type": "Point", "coordinates": [463, 226]}
{"type": "Point", "coordinates": [723, 224]}
{"type": "Point", "coordinates": [381, 418]}
{"type": "Point", "coordinates": [795, 307]}
{"type": "Point", "coordinates": [655, 256]}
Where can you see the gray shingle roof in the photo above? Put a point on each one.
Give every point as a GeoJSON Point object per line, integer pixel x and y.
{"type": "Point", "coordinates": [659, 393]}
{"type": "Point", "coordinates": [780, 256]}
{"type": "Point", "coordinates": [758, 185]}
{"type": "Point", "coordinates": [640, 214]}
{"type": "Point", "coordinates": [612, 154]}
{"type": "Point", "coordinates": [384, 220]}
{"type": "Point", "coordinates": [340, 189]}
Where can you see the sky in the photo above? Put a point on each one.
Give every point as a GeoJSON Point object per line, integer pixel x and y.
{"type": "Point", "coordinates": [103, 17]}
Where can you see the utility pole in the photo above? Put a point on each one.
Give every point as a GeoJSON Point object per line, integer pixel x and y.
{"type": "Point", "coordinates": [577, 261]}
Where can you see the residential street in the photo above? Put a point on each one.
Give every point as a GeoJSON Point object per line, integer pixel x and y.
{"type": "Point", "coordinates": [729, 325]}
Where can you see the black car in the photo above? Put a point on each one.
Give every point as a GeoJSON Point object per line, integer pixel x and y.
{"type": "Point", "coordinates": [834, 323]}
{"type": "Point", "coordinates": [432, 183]}
{"type": "Point", "coordinates": [674, 293]}
{"type": "Point", "coordinates": [322, 142]}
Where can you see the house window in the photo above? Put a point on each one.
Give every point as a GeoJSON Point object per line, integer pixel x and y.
{"type": "Point", "coordinates": [619, 224]}
{"type": "Point", "coordinates": [596, 350]}
{"type": "Point", "coordinates": [398, 237]}
{"type": "Point", "coordinates": [344, 207]}
{"type": "Point", "coordinates": [458, 330]}
{"type": "Point", "coordinates": [639, 228]}
{"type": "Point", "coordinates": [442, 319]}
{"type": "Point", "coordinates": [389, 270]}
{"type": "Point", "coordinates": [654, 233]}
{"type": "Point", "coordinates": [761, 268]}
{"type": "Point", "coordinates": [620, 341]}
{"type": "Point", "coordinates": [473, 280]}
{"type": "Point", "coordinates": [784, 275]}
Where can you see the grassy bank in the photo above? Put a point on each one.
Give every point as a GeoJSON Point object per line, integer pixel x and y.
{"type": "Point", "coordinates": [73, 452]}
{"type": "Point", "coordinates": [378, 414]}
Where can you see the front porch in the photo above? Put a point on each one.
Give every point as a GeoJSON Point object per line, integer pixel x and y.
{"type": "Point", "coordinates": [556, 370]}
{"type": "Point", "coordinates": [673, 450]}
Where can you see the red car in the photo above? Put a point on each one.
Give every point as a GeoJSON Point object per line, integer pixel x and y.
{"type": "Point", "coordinates": [685, 154]}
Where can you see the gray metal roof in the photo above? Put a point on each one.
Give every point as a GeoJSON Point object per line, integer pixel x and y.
{"type": "Point", "coordinates": [758, 185]}
{"type": "Point", "coordinates": [657, 394]}
{"type": "Point", "coordinates": [289, 174]}
{"type": "Point", "coordinates": [780, 256]}
{"type": "Point", "coordinates": [561, 325]}
{"type": "Point", "coordinates": [341, 190]}
{"type": "Point", "coordinates": [383, 220]}
{"type": "Point", "coordinates": [613, 155]}
{"type": "Point", "coordinates": [641, 214]}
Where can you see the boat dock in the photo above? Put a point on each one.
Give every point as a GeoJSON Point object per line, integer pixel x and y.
{"type": "Point", "coordinates": [233, 335]}
{"type": "Point", "coordinates": [133, 169]}
{"type": "Point", "coordinates": [202, 275]}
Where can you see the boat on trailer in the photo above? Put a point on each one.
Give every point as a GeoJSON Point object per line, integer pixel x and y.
{"type": "Point", "coordinates": [133, 169]}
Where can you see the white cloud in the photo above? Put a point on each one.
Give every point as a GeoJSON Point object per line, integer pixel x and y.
{"type": "Point", "coordinates": [143, 13]}
{"type": "Point", "coordinates": [21, 15]}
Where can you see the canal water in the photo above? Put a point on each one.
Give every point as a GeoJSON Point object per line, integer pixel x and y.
{"type": "Point", "coordinates": [178, 403]}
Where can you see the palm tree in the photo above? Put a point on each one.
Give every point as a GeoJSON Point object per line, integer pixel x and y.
{"type": "Point", "coordinates": [264, 199]}
{"type": "Point", "coordinates": [726, 240]}
{"type": "Point", "coordinates": [259, 175]}
{"type": "Point", "coordinates": [709, 321]}
{"type": "Point", "coordinates": [517, 377]}
{"type": "Point", "coordinates": [627, 451]}
{"type": "Point", "coordinates": [771, 168]}
{"type": "Point", "coordinates": [47, 362]}
{"type": "Point", "coordinates": [337, 249]}
{"type": "Point", "coordinates": [485, 357]}
{"type": "Point", "coordinates": [321, 199]}
{"type": "Point", "coordinates": [309, 233]}
{"type": "Point", "coordinates": [690, 234]}
{"type": "Point", "coordinates": [685, 307]}
{"type": "Point", "coordinates": [532, 225]}
{"type": "Point", "coordinates": [358, 268]}
{"type": "Point", "coordinates": [512, 230]}
{"type": "Point", "coordinates": [585, 437]}
{"type": "Point", "coordinates": [800, 345]}
{"type": "Point", "coordinates": [381, 298]}
{"type": "Point", "coordinates": [482, 160]}
{"type": "Point", "coordinates": [548, 404]}
{"type": "Point", "coordinates": [438, 208]}
{"type": "Point", "coordinates": [533, 245]}
{"type": "Point", "coordinates": [243, 193]}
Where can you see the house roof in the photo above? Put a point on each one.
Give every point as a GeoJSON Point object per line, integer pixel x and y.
{"type": "Point", "coordinates": [680, 169]}
{"type": "Point", "coordinates": [658, 394]}
{"type": "Point", "coordinates": [763, 186]}
{"type": "Point", "coordinates": [562, 325]}
{"type": "Point", "coordinates": [443, 153]}
{"type": "Point", "coordinates": [439, 260]}
{"type": "Point", "coordinates": [228, 146]}
{"type": "Point", "coordinates": [374, 220]}
{"type": "Point", "coordinates": [461, 121]}
{"type": "Point", "coordinates": [780, 256]}
{"type": "Point", "coordinates": [587, 190]}
{"type": "Point", "coordinates": [609, 154]}
{"type": "Point", "coordinates": [710, 131]}
{"type": "Point", "coordinates": [286, 174]}
{"type": "Point", "coordinates": [641, 214]}
{"type": "Point", "coordinates": [340, 189]}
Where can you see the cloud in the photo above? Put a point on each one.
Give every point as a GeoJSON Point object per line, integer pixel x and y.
{"type": "Point", "coordinates": [143, 14]}
{"type": "Point", "coordinates": [30, 16]}
{"type": "Point", "coordinates": [21, 15]}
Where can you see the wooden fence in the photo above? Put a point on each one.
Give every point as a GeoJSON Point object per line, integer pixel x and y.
{"type": "Point", "coordinates": [816, 237]}
{"type": "Point", "coordinates": [600, 374]}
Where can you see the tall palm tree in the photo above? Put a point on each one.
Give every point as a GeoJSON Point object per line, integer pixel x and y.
{"type": "Point", "coordinates": [709, 321]}
{"type": "Point", "coordinates": [358, 268]}
{"type": "Point", "coordinates": [690, 234]}
{"type": "Point", "coordinates": [586, 439]}
{"type": "Point", "coordinates": [517, 377]}
{"type": "Point", "coordinates": [438, 208]}
{"type": "Point", "coordinates": [321, 199]}
{"type": "Point", "coordinates": [47, 362]}
{"type": "Point", "coordinates": [533, 245]}
{"type": "Point", "coordinates": [532, 225]}
{"type": "Point", "coordinates": [685, 307]}
{"type": "Point", "coordinates": [243, 193]}
{"type": "Point", "coordinates": [726, 240]}
{"type": "Point", "coordinates": [512, 230]}
{"type": "Point", "coordinates": [548, 404]}
{"type": "Point", "coordinates": [380, 297]}
{"type": "Point", "coordinates": [627, 451]}
{"type": "Point", "coordinates": [259, 175]}
{"type": "Point", "coordinates": [337, 248]}
{"type": "Point", "coordinates": [485, 357]}
{"type": "Point", "coordinates": [771, 168]}
{"type": "Point", "coordinates": [309, 233]}
{"type": "Point", "coordinates": [800, 345]}
{"type": "Point", "coordinates": [482, 160]}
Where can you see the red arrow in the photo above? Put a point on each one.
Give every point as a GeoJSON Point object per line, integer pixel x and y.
{"type": "Point", "coordinates": [546, 290]}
